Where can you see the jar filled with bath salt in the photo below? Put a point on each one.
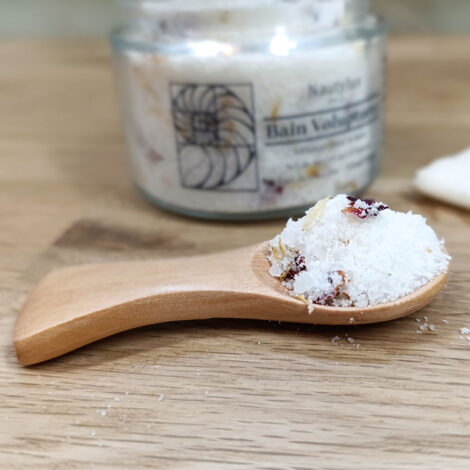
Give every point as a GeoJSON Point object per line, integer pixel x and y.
{"type": "Point", "coordinates": [238, 109]}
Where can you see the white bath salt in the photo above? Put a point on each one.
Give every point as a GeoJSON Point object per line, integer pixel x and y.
{"type": "Point", "coordinates": [432, 327]}
{"type": "Point", "coordinates": [355, 253]}
{"type": "Point", "coordinates": [93, 433]}
{"type": "Point", "coordinates": [447, 179]}
{"type": "Point", "coordinates": [350, 340]}
{"type": "Point", "coordinates": [335, 339]}
{"type": "Point", "coordinates": [161, 397]}
{"type": "Point", "coordinates": [464, 331]}
{"type": "Point", "coordinates": [445, 321]}
{"type": "Point", "coordinates": [103, 412]}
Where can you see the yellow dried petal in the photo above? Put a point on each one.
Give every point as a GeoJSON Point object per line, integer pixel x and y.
{"type": "Point", "coordinates": [303, 299]}
{"type": "Point", "coordinates": [275, 111]}
{"type": "Point", "coordinates": [315, 213]}
{"type": "Point", "coordinates": [281, 247]}
{"type": "Point", "coordinates": [286, 272]}
{"type": "Point", "coordinates": [275, 253]}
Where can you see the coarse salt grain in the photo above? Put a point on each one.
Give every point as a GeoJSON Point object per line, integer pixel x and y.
{"type": "Point", "coordinates": [344, 258]}
{"type": "Point", "coordinates": [464, 331]}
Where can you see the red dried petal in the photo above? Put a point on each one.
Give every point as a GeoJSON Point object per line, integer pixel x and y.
{"type": "Point", "coordinates": [373, 208]}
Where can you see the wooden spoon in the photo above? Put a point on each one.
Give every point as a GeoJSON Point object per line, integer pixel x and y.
{"type": "Point", "coordinates": [74, 306]}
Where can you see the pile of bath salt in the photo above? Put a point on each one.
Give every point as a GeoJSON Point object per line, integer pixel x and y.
{"type": "Point", "coordinates": [351, 252]}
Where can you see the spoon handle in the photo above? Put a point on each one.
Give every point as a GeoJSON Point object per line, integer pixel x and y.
{"type": "Point", "coordinates": [74, 306]}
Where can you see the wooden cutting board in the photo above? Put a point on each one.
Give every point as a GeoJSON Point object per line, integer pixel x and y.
{"type": "Point", "coordinates": [220, 393]}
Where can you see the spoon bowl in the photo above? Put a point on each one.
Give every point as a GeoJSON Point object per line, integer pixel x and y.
{"type": "Point", "coordinates": [77, 305]}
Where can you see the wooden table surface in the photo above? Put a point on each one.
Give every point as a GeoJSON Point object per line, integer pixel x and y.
{"type": "Point", "coordinates": [219, 394]}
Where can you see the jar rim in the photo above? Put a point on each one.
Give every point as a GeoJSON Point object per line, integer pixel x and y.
{"type": "Point", "coordinates": [121, 41]}
{"type": "Point", "coordinates": [155, 6]}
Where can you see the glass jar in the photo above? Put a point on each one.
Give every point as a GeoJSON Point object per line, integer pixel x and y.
{"type": "Point", "coordinates": [238, 109]}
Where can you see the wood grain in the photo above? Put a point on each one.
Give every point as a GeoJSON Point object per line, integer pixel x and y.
{"type": "Point", "coordinates": [216, 394]}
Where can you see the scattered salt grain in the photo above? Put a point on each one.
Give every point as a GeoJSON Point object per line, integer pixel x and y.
{"type": "Point", "coordinates": [161, 397]}
{"type": "Point", "coordinates": [103, 412]}
{"type": "Point", "coordinates": [445, 321]}
{"type": "Point", "coordinates": [426, 327]}
{"type": "Point", "coordinates": [335, 339]}
{"type": "Point", "coordinates": [117, 399]}
{"type": "Point", "coordinates": [425, 318]}
{"type": "Point", "coordinates": [356, 253]}
{"type": "Point", "coordinates": [464, 331]}
{"type": "Point", "coordinates": [350, 340]}
{"type": "Point", "coordinates": [93, 433]}
{"type": "Point", "coordinates": [259, 342]}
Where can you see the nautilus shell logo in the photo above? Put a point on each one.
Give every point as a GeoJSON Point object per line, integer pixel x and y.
{"type": "Point", "coordinates": [215, 136]}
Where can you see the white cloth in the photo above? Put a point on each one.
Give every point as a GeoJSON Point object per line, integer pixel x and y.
{"type": "Point", "coordinates": [447, 179]}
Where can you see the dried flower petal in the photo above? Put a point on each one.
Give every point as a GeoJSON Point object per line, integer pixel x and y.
{"type": "Point", "coordinates": [303, 299]}
{"type": "Point", "coordinates": [315, 213]}
{"type": "Point", "coordinates": [363, 208]}
{"type": "Point", "coordinates": [296, 267]}
{"type": "Point", "coordinates": [281, 247]}
{"type": "Point", "coordinates": [275, 253]}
